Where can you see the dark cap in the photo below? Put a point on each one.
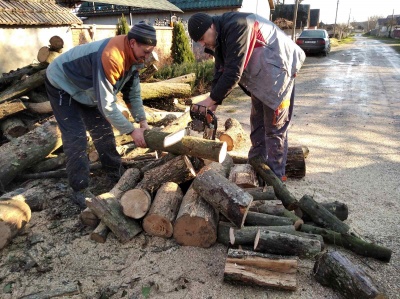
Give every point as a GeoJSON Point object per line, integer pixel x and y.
{"type": "Point", "coordinates": [143, 33]}
{"type": "Point", "coordinates": [198, 25]}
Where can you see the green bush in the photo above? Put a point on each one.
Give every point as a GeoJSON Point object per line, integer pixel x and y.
{"type": "Point", "coordinates": [122, 26]}
{"type": "Point", "coordinates": [180, 49]}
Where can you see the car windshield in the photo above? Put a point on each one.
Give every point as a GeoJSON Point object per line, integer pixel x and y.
{"type": "Point", "coordinates": [312, 33]}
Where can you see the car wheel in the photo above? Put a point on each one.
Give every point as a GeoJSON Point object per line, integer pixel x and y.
{"type": "Point", "coordinates": [324, 53]}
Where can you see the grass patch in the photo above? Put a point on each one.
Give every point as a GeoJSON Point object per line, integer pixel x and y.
{"type": "Point", "coordinates": [392, 42]}
{"type": "Point", "coordinates": [337, 42]}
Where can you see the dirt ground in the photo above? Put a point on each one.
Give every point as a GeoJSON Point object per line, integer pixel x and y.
{"type": "Point", "coordinates": [347, 113]}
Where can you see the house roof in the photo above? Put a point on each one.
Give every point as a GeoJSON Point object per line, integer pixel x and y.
{"type": "Point", "coordinates": [144, 4]}
{"type": "Point", "coordinates": [38, 12]}
{"type": "Point", "coordinates": [186, 5]}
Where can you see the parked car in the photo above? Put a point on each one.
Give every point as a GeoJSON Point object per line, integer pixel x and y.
{"type": "Point", "coordinates": [314, 41]}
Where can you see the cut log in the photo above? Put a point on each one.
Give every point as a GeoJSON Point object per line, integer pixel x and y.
{"type": "Point", "coordinates": [197, 220]}
{"type": "Point", "coordinates": [49, 163]}
{"type": "Point", "coordinates": [261, 219]}
{"type": "Point", "coordinates": [223, 195]}
{"type": "Point", "coordinates": [25, 151]}
{"type": "Point", "coordinates": [188, 78]}
{"type": "Point", "coordinates": [158, 162]}
{"type": "Point", "coordinates": [159, 219]}
{"type": "Point", "coordinates": [148, 73]}
{"type": "Point", "coordinates": [349, 242]}
{"type": "Point", "coordinates": [107, 208]}
{"type": "Point", "coordinates": [100, 233]}
{"type": "Point", "coordinates": [233, 135]}
{"type": "Point", "coordinates": [56, 43]}
{"type": "Point", "coordinates": [339, 209]}
{"type": "Point", "coordinates": [37, 96]}
{"type": "Point", "coordinates": [191, 146]}
{"type": "Point", "coordinates": [10, 78]}
{"type": "Point", "coordinates": [243, 175]}
{"type": "Point", "coordinates": [14, 214]}
{"type": "Point", "coordinates": [89, 218]}
{"type": "Point", "coordinates": [272, 207]}
{"type": "Point", "coordinates": [13, 127]}
{"type": "Point", "coordinates": [297, 221]}
{"type": "Point", "coordinates": [252, 268]}
{"type": "Point", "coordinates": [21, 87]}
{"type": "Point", "coordinates": [262, 193]}
{"type": "Point", "coordinates": [196, 99]}
{"type": "Point", "coordinates": [40, 108]}
{"type": "Point", "coordinates": [136, 203]}
{"type": "Point", "coordinates": [269, 177]}
{"type": "Point", "coordinates": [45, 55]}
{"type": "Point", "coordinates": [295, 163]}
{"type": "Point", "coordinates": [11, 107]}
{"type": "Point", "coordinates": [159, 90]}
{"type": "Point", "coordinates": [322, 216]}
{"type": "Point", "coordinates": [334, 270]}
{"type": "Point", "coordinates": [286, 244]}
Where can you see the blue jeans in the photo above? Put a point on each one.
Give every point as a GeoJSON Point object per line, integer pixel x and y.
{"type": "Point", "coordinates": [73, 120]}
{"type": "Point", "coordinates": [269, 133]}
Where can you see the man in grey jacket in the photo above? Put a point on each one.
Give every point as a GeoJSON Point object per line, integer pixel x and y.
{"type": "Point", "coordinates": [82, 85]}
{"type": "Point", "coordinates": [254, 53]}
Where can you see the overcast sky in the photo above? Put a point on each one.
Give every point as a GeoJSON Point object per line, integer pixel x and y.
{"type": "Point", "coordinates": [360, 9]}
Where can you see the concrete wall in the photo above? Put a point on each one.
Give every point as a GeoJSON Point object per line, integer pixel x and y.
{"type": "Point", "coordinates": [19, 46]}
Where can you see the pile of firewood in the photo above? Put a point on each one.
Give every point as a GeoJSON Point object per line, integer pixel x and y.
{"type": "Point", "coordinates": [194, 191]}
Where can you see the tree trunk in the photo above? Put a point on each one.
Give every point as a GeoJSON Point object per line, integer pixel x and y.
{"type": "Point", "coordinates": [21, 87]}
{"type": "Point", "coordinates": [107, 208]}
{"type": "Point", "coordinates": [49, 164]}
{"type": "Point", "coordinates": [260, 193]}
{"type": "Point", "coordinates": [197, 220]}
{"type": "Point", "coordinates": [339, 209]}
{"type": "Point", "coordinates": [285, 244]}
{"type": "Point", "coordinates": [337, 272]}
{"type": "Point", "coordinates": [188, 78]}
{"type": "Point", "coordinates": [322, 216]}
{"type": "Point", "coordinates": [281, 192]}
{"type": "Point", "coordinates": [13, 76]}
{"type": "Point", "coordinates": [253, 268]}
{"type": "Point", "coordinates": [164, 90]}
{"type": "Point", "coordinates": [23, 152]}
{"type": "Point", "coordinates": [137, 202]}
{"type": "Point", "coordinates": [295, 164]}
{"type": "Point", "coordinates": [225, 196]}
{"type": "Point", "coordinates": [272, 207]}
{"type": "Point", "coordinates": [261, 219]}
{"type": "Point", "coordinates": [11, 107]}
{"type": "Point", "coordinates": [14, 214]}
{"type": "Point", "coordinates": [13, 127]}
{"type": "Point", "coordinates": [349, 242]}
{"type": "Point", "coordinates": [233, 135]}
{"type": "Point", "coordinates": [244, 176]}
{"type": "Point", "coordinates": [159, 219]}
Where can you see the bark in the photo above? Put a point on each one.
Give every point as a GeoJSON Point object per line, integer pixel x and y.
{"type": "Point", "coordinates": [233, 135]}
{"type": "Point", "coordinates": [286, 244]}
{"type": "Point", "coordinates": [252, 268]}
{"type": "Point", "coordinates": [14, 214]}
{"type": "Point", "coordinates": [297, 221]}
{"type": "Point", "coordinates": [37, 96]}
{"type": "Point", "coordinates": [40, 108]}
{"type": "Point", "coordinates": [107, 208]}
{"type": "Point", "coordinates": [100, 233]}
{"type": "Point", "coordinates": [89, 218]}
{"type": "Point", "coordinates": [337, 272]}
{"type": "Point", "coordinates": [11, 108]}
{"type": "Point", "coordinates": [25, 151]}
{"type": "Point", "coordinates": [136, 203]}
{"type": "Point", "coordinates": [295, 164]}
{"type": "Point", "coordinates": [261, 219]}
{"type": "Point", "coordinates": [188, 78]}
{"type": "Point", "coordinates": [350, 242]}
{"type": "Point", "coordinates": [196, 99]}
{"type": "Point", "coordinates": [243, 175]}
{"type": "Point", "coordinates": [223, 195]}
{"type": "Point", "coordinates": [281, 192]}
{"type": "Point", "coordinates": [260, 193]}
{"type": "Point", "coordinates": [197, 220]}
{"type": "Point", "coordinates": [322, 216]}
{"type": "Point", "coordinates": [13, 127]}
{"type": "Point", "coordinates": [339, 209]}
{"type": "Point", "coordinates": [164, 90]}
{"type": "Point", "coordinates": [159, 220]}
{"type": "Point", "coordinates": [21, 87]}
{"type": "Point", "coordinates": [49, 163]}
{"type": "Point", "coordinates": [13, 76]}
{"type": "Point", "coordinates": [272, 207]}
{"type": "Point", "coordinates": [148, 72]}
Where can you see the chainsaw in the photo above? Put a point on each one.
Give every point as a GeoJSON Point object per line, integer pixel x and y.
{"type": "Point", "coordinates": [203, 120]}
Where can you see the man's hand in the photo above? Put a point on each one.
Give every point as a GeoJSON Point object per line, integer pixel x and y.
{"type": "Point", "coordinates": [209, 103]}
{"type": "Point", "coordinates": [138, 137]}
{"type": "Point", "coordinates": [144, 124]}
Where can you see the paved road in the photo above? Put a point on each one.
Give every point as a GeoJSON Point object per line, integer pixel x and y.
{"type": "Point", "coordinates": [348, 113]}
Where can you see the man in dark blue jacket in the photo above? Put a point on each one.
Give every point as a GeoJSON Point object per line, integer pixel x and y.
{"type": "Point", "coordinates": [254, 53]}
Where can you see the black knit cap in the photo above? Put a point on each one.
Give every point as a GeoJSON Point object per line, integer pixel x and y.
{"type": "Point", "coordinates": [143, 33]}
{"type": "Point", "coordinates": [198, 25]}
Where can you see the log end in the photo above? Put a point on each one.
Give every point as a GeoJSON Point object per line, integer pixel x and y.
{"type": "Point", "coordinates": [223, 152]}
{"type": "Point", "coordinates": [194, 231]}
{"type": "Point", "coordinates": [136, 203]}
{"type": "Point", "coordinates": [229, 141]}
{"type": "Point", "coordinates": [158, 226]}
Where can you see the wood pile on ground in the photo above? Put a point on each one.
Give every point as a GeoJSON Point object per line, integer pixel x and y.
{"type": "Point", "coordinates": [194, 191]}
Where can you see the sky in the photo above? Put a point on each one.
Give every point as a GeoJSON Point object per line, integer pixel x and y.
{"type": "Point", "coordinates": [360, 9]}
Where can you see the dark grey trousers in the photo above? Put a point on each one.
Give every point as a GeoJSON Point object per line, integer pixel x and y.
{"type": "Point", "coordinates": [73, 120]}
{"type": "Point", "coordinates": [269, 133]}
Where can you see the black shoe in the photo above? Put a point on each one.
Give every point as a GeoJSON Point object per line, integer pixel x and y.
{"type": "Point", "coordinates": [115, 174]}
{"type": "Point", "coordinates": [79, 197]}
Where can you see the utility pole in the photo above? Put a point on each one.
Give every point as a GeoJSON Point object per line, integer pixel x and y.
{"type": "Point", "coordinates": [296, 6]}
{"type": "Point", "coordinates": [348, 22]}
{"type": "Point", "coordinates": [334, 28]}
